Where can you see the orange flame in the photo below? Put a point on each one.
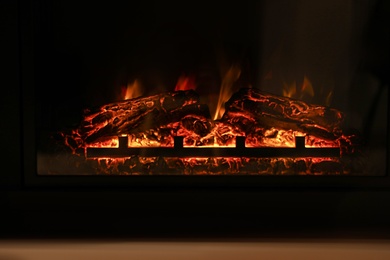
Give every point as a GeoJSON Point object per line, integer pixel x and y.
{"type": "Point", "coordinates": [306, 91]}
{"type": "Point", "coordinates": [307, 87]}
{"type": "Point", "coordinates": [231, 76]}
{"type": "Point", "coordinates": [292, 91]}
{"type": "Point", "coordinates": [185, 83]}
{"type": "Point", "coordinates": [132, 90]}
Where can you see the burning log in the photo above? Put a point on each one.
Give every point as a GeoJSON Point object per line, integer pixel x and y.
{"type": "Point", "coordinates": [265, 119]}
{"type": "Point", "coordinates": [250, 109]}
{"type": "Point", "coordinates": [140, 114]}
{"type": "Point", "coordinates": [267, 123]}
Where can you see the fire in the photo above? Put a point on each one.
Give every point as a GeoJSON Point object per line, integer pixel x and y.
{"type": "Point", "coordinates": [264, 119]}
{"type": "Point", "coordinates": [226, 90]}
{"type": "Point", "coordinates": [306, 91]}
{"type": "Point", "coordinates": [185, 83]}
{"type": "Point", "coordinates": [329, 97]}
{"type": "Point", "coordinates": [289, 90]}
{"type": "Point", "coordinates": [132, 90]}
{"type": "Point", "coordinates": [292, 91]}
{"type": "Point", "coordinates": [307, 87]}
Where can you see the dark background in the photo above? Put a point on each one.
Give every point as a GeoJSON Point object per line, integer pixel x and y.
{"type": "Point", "coordinates": [161, 213]}
{"type": "Point", "coordinates": [84, 54]}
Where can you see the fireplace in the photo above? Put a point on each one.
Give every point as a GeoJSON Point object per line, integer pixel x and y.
{"type": "Point", "coordinates": [250, 90]}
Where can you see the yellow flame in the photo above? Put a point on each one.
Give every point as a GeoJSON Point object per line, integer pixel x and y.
{"type": "Point", "coordinates": [133, 90]}
{"type": "Point", "coordinates": [289, 90]}
{"type": "Point", "coordinates": [225, 92]}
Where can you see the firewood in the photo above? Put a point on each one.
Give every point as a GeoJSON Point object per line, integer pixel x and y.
{"type": "Point", "coordinates": [140, 114]}
{"type": "Point", "coordinates": [250, 108]}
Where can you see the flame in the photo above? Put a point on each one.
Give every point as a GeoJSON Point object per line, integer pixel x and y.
{"type": "Point", "coordinates": [132, 90]}
{"type": "Point", "coordinates": [231, 76]}
{"type": "Point", "coordinates": [307, 87]}
{"type": "Point", "coordinates": [306, 91]}
{"type": "Point", "coordinates": [292, 91]}
{"type": "Point", "coordinates": [289, 90]}
{"type": "Point", "coordinates": [185, 83]}
{"type": "Point", "coordinates": [328, 98]}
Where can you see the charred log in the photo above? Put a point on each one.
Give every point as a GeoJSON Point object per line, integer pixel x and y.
{"type": "Point", "coordinates": [141, 114]}
{"type": "Point", "coordinates": [250, 108]}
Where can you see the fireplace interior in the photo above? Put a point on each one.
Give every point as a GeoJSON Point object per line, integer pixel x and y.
{"type": "Point", "coordinates": [248, 88]}
{"type": "Point", "coordinates": [69, 61]}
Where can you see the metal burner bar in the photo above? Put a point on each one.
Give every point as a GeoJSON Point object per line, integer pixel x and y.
{"type": "Point", "coordinates": [206, 152]}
